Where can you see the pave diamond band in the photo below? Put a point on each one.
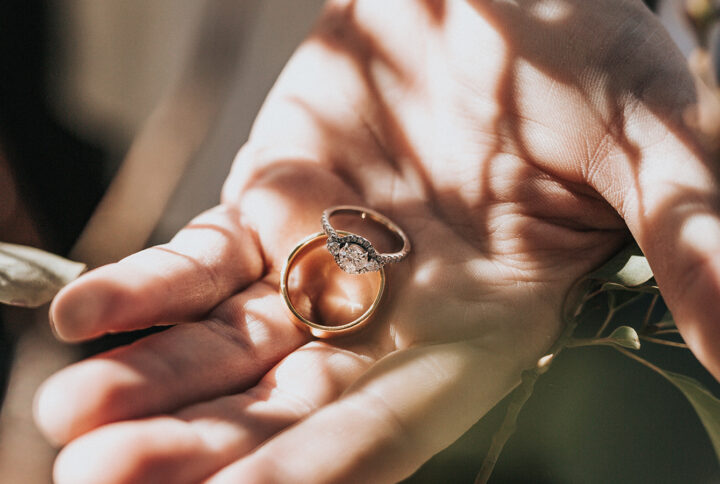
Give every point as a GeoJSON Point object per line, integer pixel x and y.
{"type": "Point", "coordinates": [354, 253]}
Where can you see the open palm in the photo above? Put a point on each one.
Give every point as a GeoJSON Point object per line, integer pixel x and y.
{"type": "Point", "coordinates": [513, 141]}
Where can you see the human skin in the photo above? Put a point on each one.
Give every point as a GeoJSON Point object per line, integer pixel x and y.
{"type": "Point", "coordinates": [517, 143]}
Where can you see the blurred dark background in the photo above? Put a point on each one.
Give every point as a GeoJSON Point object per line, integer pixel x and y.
{"type": "Point", "coordinates": [58, 174]}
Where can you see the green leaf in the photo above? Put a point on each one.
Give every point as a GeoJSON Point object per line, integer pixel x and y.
{"type": "Point", "coordinates": [705, 404]}
{"type": "Point", "coordinates": [627, 269]}
{"type": "Point", "coordinates": [649, 287]}
{"type": "Point", "coordinates": [623, 336]}
{"type": "Point", "coordinates": [626, 337]}
{"type": "Point", "coordinates": [31, 277]}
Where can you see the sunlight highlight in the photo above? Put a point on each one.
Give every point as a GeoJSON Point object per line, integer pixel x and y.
{"type": "Point", "coordinates": [551, 10]}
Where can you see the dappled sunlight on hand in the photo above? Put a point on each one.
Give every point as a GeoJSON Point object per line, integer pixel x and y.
{"type": "Point", "coordinates": [518, 144]}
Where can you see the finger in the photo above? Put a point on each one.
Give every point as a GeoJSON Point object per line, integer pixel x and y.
{"type": "Point", "coordinates": [667, 191]}
{"type": "Point", "coordinates": [168, 370]}
{"type": "Point", "coordinates": [199, 440]}
{"type": "Point", "coordinates": [211, 258]}
{"type": "Point", "coordinates": [402, 411]}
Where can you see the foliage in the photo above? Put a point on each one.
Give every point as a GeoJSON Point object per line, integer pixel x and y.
{"type": "Point", "coordinates": [623, 280]}
{"type": "Point", "coordinates": [31, 277]}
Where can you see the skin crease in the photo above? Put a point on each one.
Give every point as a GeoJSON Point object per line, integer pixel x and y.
{"type": "Point", "coordinates": [515, 142]}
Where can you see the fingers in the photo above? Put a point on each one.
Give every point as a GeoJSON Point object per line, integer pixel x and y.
{"type": "Point", "coordinates": [403, 410]}
{"type": "Point", "coordinates": [166, 371]}
{"type": "Point", "coordinates": [207, 261]}
{"type": "Point", "coordinates": [667, 191]}
{"type": "Point", "coordinates": [199, 440]}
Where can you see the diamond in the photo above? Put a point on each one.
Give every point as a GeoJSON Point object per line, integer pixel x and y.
{"type": "Point", "coordinates": [352, 258]}
{"type": "Point", "coordinates": [372, 266]}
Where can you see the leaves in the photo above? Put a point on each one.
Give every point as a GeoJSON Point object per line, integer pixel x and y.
{"type": "Point", "coordinates": [627, 270]}
{"type": "Point", "coordinates": [623, 336]}
{"type": "Point", "coordinates": [649, 287]}
{"type": "Point", "coordinates": [705, 404]}
{"type": "Point", "coordinates": [31, 277]}
{"type": "Point", "coordinates": [629, 273]}
{"type": "Point", "coordinates": [623, 278]}
{"type": "Point", "coordinates": [626, 337]}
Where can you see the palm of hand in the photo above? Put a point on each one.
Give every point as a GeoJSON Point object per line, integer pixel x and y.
{"type": "Point", "coordinates": [490, 181]}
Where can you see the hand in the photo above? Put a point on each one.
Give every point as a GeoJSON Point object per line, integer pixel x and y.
{"type": "Point", "coordinates": [514, 143]}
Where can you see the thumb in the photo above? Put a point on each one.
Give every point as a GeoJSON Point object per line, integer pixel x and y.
{"type": "Point", "coordinates": [665, 187]}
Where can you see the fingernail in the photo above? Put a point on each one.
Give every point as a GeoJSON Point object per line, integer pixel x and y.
{"type": "Point", "coordinates": [43, 416]}
{"type": "Point", "coordinates": [75, 313]}
{"type": "Point", "coordinates": [51, 321]}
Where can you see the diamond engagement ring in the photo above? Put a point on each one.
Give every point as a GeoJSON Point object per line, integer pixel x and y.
{"type": "Point", "coordinates": [354, 253]}
{"type": "Point", "coordinates": [322, 329]}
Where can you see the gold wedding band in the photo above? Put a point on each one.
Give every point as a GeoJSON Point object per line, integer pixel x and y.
{"type": "Point", "coordinates": [318, 329]}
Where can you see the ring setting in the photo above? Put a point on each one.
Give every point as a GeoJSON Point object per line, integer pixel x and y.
{"type": "Point", "coordinates": [354, 254]}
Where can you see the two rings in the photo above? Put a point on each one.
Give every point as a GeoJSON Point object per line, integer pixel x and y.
{"type": "Point", "coordinates": [354, 254]}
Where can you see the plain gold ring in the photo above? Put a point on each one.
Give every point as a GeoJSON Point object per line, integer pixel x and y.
{"type": "Point", "coordinates": [317, 329]}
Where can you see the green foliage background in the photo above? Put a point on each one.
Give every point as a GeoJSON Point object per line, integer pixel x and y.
{"type": "Point", "coordinates": [597, 415]}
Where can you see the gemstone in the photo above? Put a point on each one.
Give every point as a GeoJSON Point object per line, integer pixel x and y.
{"type": "Point", "coordinates": [372, 266]}
{"type": "Point", "coordinates": [352, 258]}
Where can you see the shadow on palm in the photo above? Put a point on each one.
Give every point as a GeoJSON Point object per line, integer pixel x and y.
{"type": "Point", "coordinates": [526, 197]}
{"type": "Point", "coordinates": [478, 130]}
